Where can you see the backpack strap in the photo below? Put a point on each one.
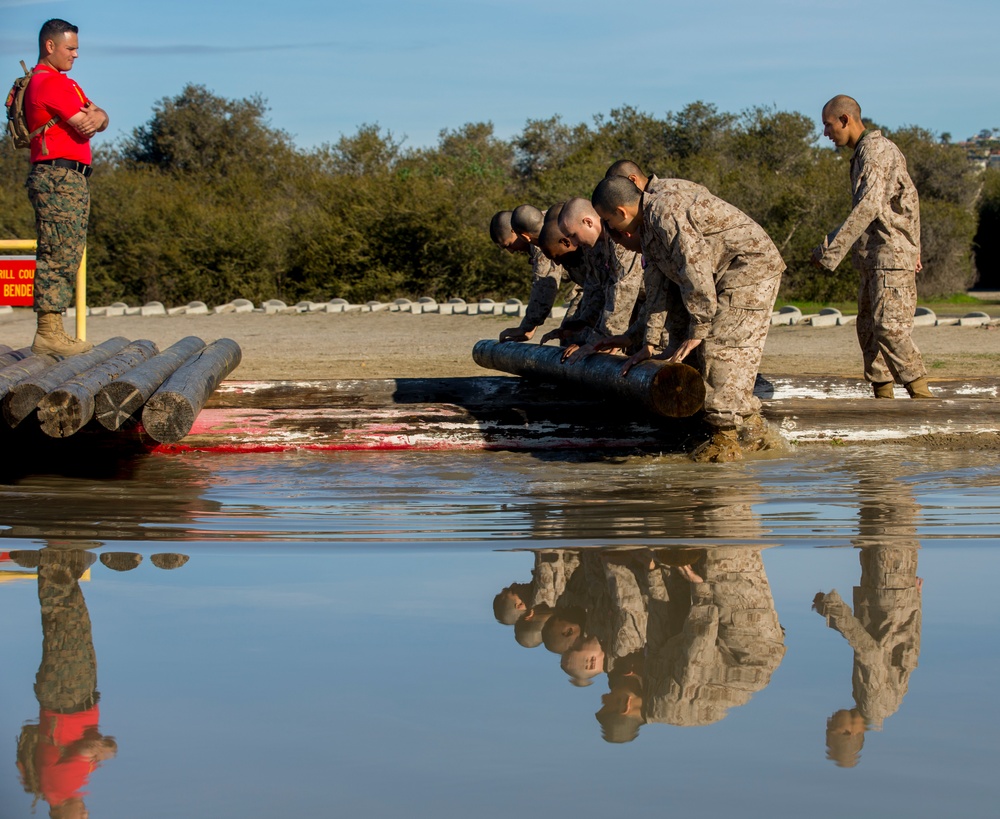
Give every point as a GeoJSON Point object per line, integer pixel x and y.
{"type": "Point", "coordinates": [42, 129]}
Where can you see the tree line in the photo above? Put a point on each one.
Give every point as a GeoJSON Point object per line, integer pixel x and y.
{"type": "Point", "coordinates": [208, 200]}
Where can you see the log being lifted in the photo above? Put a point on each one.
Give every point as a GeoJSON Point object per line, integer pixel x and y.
{"type": "Point", "coordinates": [116, 402]}
{"type": "Point", "coordinates": [171, 411]}
{"type": "Point", "coordinates": [24, 396]}
{"type": "Point", "coordinates": [673, 390]}
{"type": "Point", "coordinates": [9, 356]}
{"type": "Point", "coordinates": [71, 405]}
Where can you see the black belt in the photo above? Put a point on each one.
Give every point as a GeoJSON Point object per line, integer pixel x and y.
{"type": "Point", "coordinates": [72, 164]}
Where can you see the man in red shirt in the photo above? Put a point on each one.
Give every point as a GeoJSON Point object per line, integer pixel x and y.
{"type": "Point", "coordinates": [58, 184]}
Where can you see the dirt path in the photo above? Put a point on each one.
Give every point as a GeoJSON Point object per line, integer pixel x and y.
{"type": "Point", "coordinates": [401, 345]}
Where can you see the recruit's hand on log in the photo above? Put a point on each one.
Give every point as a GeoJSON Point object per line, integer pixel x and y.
{"type": "Point", "coordinates": [611, 344]}
{"type": "Point", "coordinates": [684, 350]}
{"type": "Point", "coordinates": [645, 352]}
{"type": "Point", "coordinates": [559, 333]}
{"type": "Point", "coordinates": [577, 352]}
{"type": "Point", "coordinates": [516, 334]}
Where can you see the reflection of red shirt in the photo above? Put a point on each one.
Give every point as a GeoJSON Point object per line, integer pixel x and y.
{"type": "Point", "coordinates": [53, 94]}
{"type": "Point", "coordinates": [63, 777]}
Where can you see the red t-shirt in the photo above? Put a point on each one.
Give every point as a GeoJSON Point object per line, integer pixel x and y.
{"type": "Point", "coordinates": [53, 94]}
{"type": "Point", "coordinates": [62, 777]}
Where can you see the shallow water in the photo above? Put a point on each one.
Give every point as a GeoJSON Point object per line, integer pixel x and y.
{"type": "Point", "coordinates": [330, 645]}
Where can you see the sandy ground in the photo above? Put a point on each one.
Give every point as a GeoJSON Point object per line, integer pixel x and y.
{"type": "Point", "coordinates": [401, 345]}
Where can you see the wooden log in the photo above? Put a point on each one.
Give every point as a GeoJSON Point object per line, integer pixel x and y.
{"type": "Point", "coordinates": [71, 405]}
{"type": "Point", "coordinates": [14, 374]}
{"type": "Point", "coordinates": [116, 402]}
{"type": "Point", "coordinates": [23, 397]}
{"type": "Point", "coordinates": [171, 411]}
{"type": "Point", "coordinates": [673, 390]}
{"type": "Point", "coordinates": [10, 356]}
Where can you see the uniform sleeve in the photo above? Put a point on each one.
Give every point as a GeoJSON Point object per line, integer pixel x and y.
{"type": "Point", "coordinates": [692, 269]}
{"type": "Point", "coordinates": [869, 193]}
{"type": "Point", "coordinates": [545, 280]}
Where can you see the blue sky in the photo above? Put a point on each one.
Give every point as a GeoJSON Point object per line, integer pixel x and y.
{"type": "Point", "coordinates": [415, 68]}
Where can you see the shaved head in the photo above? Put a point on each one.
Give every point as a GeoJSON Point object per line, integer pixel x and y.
{"type": "Point", "coordinates": [527, 219]}
{"type": "Point", "coordinates": [843, 104]}
{"type": "Point", "coordinates": [554, 211]}
{"type": "Point", "coordinates": [553, 242]}
{"type": "Point", "coordinates": [500, 228]}
{"type": "Point", "coordinates": [580, 222]}
{"type": "Point", "coordinates": [623, 167]}
{"type": "Point", "coordinates": [615, 192]}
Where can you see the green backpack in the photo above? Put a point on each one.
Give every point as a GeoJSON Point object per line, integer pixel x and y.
{"type": "Point", "coordinates": [17, 123]}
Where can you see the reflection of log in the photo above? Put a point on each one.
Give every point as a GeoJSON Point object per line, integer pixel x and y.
{"type": "Point", "coordinates": [169, 415]}
{"type": "Point", "coordinates": [71, 405]}
{"type": "Point", "coordinates": [674, 390]}
{"type": "Point", "coordinates": [9, 356]}
{"type": "Point", "coordinates": [24, 396]}
{"type": "Point", "coordinates": [116, 402]}
{"type": "Point", "coordinates": [17, 372]}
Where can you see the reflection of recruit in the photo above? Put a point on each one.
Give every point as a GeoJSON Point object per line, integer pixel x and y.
{"type": "Point", "coordinates": [58, 185]}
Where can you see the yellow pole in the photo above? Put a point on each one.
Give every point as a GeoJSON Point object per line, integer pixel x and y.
{"type": "Point", "coordinates": [81, 298]}
{"type": "Point", "coordinates": [18, 244]}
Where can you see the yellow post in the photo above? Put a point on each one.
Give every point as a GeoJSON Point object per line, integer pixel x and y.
{"type": "Point", "coordinates": [81, 281]}
{"type": "Point", "coordinates": [81, 298]}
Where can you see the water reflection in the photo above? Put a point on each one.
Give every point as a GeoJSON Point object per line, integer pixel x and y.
{"type": "Point", "coordinates": [683, 633]}
{"type": "Point", "coordinates": [57, 754]}
{"type": "Point", "coordinates": [884, 627]}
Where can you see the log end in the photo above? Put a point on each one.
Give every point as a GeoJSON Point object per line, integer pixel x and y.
{"type": "Point", "coordinates": [678, 391]}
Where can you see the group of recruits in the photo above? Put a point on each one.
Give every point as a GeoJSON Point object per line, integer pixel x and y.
{"type": "Point", "coordinates": [664, 269]}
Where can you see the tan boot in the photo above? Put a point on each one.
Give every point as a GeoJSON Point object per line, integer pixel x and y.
{"type": "Point", "coordinates": [883, 389]}
{"type": "Point", "coordinates": [51, 338]}
{"type": "Point", "coordinates": [918, 388]}
{"type": "Point", "coordinates": [722, 447]}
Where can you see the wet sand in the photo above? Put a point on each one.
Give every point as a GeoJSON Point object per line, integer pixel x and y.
{"type": "Point", "coordinates": [402, 345]}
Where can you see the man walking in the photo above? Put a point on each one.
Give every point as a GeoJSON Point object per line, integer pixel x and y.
{"type": "Point", "coordinates": [884, 230]}
{"type": "Point", "coordinates": [58, 187]}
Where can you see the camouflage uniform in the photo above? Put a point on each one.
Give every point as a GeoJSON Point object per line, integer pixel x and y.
{"type": "Point", "coordinates": [727, 272]}
{"type": "Point", "coordinates": [61, 199]}
{"type": "Point", "coordinates": [884, 230]}
{"type": "Point", "coordinates": [546, 277]}
{"type": "Point", "coordinates": [884, 629]}
{"type": "Point", "coordinates": [612, 280]}
{"type": "Point", "coordinates": [728, 647]}
{"type": "Point", "coordinates": [623, 285]}
{"type": "Point", "coordinates": [67, 676]}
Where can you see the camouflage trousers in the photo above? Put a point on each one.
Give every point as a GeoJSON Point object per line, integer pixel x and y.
{"type": "Point", "coordinates": [61, 199]}
{"type": "Point", "coordinates": [67, 675]}
{"type": "Point", "coordinates": [887, 300]}
{"type": "Point", "coordinates": [730, 356]}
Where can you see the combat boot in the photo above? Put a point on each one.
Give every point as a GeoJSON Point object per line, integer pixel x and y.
{"type": "Point", "coordinates": [918, 388]}
{"type": "Point", "coordinates": [51, 338]}
{"type": "Point", "coordinates": [756, 435]}
{"type": "Point", "coordinates": [883, 389]}
{"type": "Point", "coordinates": [722, 447]}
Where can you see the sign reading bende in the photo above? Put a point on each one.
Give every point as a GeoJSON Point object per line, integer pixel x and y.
{"type": "Point", "coordinates": [17, 280]}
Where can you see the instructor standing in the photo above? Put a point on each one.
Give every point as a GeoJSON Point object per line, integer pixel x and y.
{"type": "Point", "coordinates": [58, 185]}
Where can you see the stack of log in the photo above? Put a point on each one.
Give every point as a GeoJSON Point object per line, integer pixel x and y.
{"type": "Point", "coordinates": [116, 385]}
